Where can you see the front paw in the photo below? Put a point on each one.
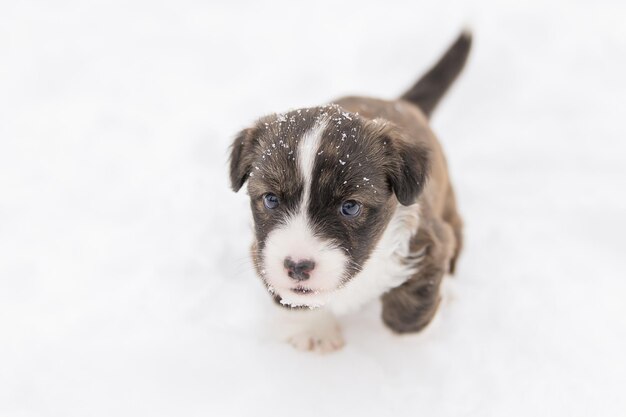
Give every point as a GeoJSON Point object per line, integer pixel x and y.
{"type": "Point", "coordinates": [309, 330]}
{"type": "Point", "coordinates": [320, 340]}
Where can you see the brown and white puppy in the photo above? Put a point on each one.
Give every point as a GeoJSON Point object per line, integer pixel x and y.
{"type": "Point", "coordinates": [352, 201]}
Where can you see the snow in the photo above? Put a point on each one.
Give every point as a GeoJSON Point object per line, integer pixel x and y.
{"type": "Point", "coordinates": [125, 283]}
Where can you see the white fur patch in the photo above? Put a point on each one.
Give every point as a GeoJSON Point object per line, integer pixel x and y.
{"type": "Point", "coordinates": [385, 268]}
{"type": "Point", "coordinates": [307, 151]}
{"type": "Point", "coordinates": [296, 240]}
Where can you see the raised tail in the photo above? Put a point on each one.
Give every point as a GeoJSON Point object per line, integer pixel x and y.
{"type": "Point", "coordinates": [429, 89]}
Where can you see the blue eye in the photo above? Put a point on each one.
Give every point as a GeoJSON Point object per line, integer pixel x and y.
{"type": "Point", "coordinates": [270, 200]}
{"type": "Point", "coordinates": [350, 208]}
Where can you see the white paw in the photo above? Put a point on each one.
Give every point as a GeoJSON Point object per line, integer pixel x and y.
{"type": "Point", "coordinates": [309, 330]}
{"type": "Point", "coordinates": [321, 340]}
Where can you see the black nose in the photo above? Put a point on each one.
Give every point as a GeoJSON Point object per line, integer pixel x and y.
{"type": "Point", "coordinates": [299, 270]}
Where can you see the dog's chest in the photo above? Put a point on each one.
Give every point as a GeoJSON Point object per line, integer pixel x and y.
{"type": "Point", "coordinates": [387, 267]}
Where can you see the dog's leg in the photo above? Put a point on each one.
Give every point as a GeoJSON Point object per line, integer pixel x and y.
{"type": "Point", "coordinates": [412, 305]}
{"type": "Point", "coordinates": [452, 217]}
{"type": "Point", "coordinates": [310, 330]}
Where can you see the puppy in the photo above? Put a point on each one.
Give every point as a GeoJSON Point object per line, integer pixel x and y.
{"type": "Point", "coordinates": [352, 201]}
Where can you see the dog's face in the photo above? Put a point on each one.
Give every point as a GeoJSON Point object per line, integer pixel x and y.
{"type": "Point", "coordinates": [323, 185]}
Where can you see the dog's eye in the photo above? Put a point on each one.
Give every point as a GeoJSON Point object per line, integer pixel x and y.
{"type": "Point", "coordinates": [350, 208]}
{"type": "Point", "coordinates": [270, 200]}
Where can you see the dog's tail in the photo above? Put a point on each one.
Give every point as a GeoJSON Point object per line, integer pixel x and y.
{"type": "Point", "coordinates": [429, 89]}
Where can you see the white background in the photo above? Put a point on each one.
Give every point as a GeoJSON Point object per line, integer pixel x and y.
{"type": "Point", "coordinates": [125, 287]}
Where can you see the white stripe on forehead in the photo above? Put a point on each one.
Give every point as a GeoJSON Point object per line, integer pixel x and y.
{"type": "Point", "coordinates": [307, 151]}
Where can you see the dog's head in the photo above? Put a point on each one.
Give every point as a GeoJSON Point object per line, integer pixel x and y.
{"type": "Point", "coordinates": [323, 185]}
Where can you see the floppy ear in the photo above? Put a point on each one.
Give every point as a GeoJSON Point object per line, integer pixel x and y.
{"type": "Point", "coordinates": [241, 157]}
{"type": "Point", "coordinates": [408, 164]}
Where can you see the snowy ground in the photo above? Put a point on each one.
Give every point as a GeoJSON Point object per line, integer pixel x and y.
{"type": "Point", "coordinates": [125, 287]}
